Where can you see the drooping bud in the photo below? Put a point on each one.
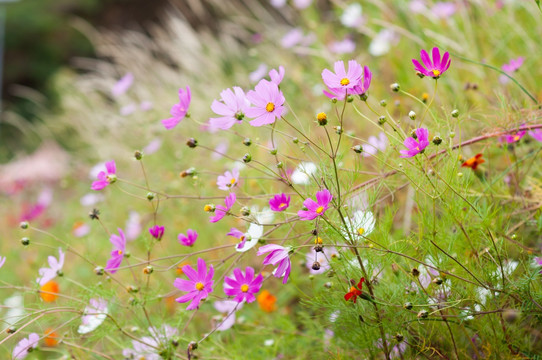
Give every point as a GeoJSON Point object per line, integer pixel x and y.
{"type": "Point", "coordinates": [363, 97]}
{"type": "Point", "coordinates": [316, 266]}
{"type": "Point", "coordinates": [349, 98]}
{"type": "Point", "coordinates": [192, 143]}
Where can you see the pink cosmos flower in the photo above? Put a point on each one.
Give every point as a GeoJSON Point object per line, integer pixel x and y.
{"type": "Point", "coordinates": [316, 208]}
{"type": "Point", "coordinates": [278, 255]}
{"type": "Point", "coordinates": [117, 254]}
{"type": "Point", "coordinates": [189, 239]}
{"type": "Point", "coordinates": [228, 180]}
{"type": "Point", "coordinates": [258, 74]}
{"type": "Point", "coordinates": [24, 346]}
{"type": "Point", "coordinates": [228, 308]}
{"type": "Point", "coordinates": [178, 111]}
{"type": "Point", "coordinates": [435, 68]}
{"type": "Point", "coordinates": [106, 178]}
{"type": "Point", "coordinates": [221, 211]}
{"type": "Point", "coordinates": [44, 200]}
{"type": "Point", "coordinates": [128, 109]}
{"type": "Point", "coordinates": [199, 285]}
{"type": "Point", "coordinates": [345, 46]}
{"type": "Point", "coordinates": [279, 202]}
{"type": "Point", "coordinates": [277, 76]}
{"type": "Point", "coordinates": [268, 103]}
{"type": "Point", "coordinates": [536, 134]}
{"type": "Point", "coordinates": [375, 145]}
{"type": "Point", "coordinates": [123, 85]}
{"type": "Point", "coordinates": [354, 87]}
{"type": "Point", "coordinates": [243, 287]}
{"type": "Point", "coordinates": [513, 65]}
{"type": "Point", "coordinates": [157, 232]}
{"type": "Point", "coordinates": [343, 79]}
{"type": "Point", "coordinates": [2, 260]}
{"type": "Point", "coordinates": [292, 38]}
{"type": "Point", "coordinates": [133, 226]}
{"type": "Point", "coordinates": [416, 146]}
{"type": "Point", "coordinates": [55, 267]}
{"type": "Point", "coordinates": [232, 108]}
{"type": "Point", "coordinates": [444, 9]}
{"type": "Point", "coordinates": [509, 138]}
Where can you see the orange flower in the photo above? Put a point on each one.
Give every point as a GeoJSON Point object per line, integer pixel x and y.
{"type": "Point", "coordinates": [49, 291]}
{"type": "Point", "coordinates": [354, 292]}
{"type": "Point", "coordinates": [267, 301]}
{"type": "Point", "coordinates": [51, 338]}
{"type": "Point", "coordinates": [180, 267]}
{"type": "Point", "coordinates": [473, 162]}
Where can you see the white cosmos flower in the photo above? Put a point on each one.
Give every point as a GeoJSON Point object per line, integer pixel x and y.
{"type": "Point", "coordinates": [381, 43]}
{"type": "Point", "coordinates": [15, 306]}
{"type": "Point", "coordinates": [302, 173]}
{"type": "Point", "coordinates": [351, 16]}
{"type": "Point", "coordinates": [362, 223]}
{"type": "Point", "coordinates": [94, 315]}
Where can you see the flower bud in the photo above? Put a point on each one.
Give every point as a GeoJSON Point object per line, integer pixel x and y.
{"type": "Point", "coordinates": [25, 241]}
{"type": "Point", "coordinates": [148, 270]}
{"type": "Point", "coordinates": [245, 211]}
{"type": "Point", "coordinates": [423, 314]}
{"type": "Point", "coordinates": [247, 142]}
{"type": "Point", "coordinates": [132, 289]}
{"type": "Point", "coordinates": [382, 120]}
{"type": "Point", "coordinates": [437, 140]}
{"type": "Point", "coordinates": [247, 158]}
{"type": "Point", "coordinates": [150, 196]}
{"type": "Point", "coordinates": [415, 272]}
{"type": "Point", "coordinates": [94, 214]}
{"type": "Point", "coordinates": [338, 130]}
{"type": "Point", "coordinates": [138, 155]}
{"type": "Point", "coordinates": [363, 97]}
{"type": "Point", "coordinates": [328, 285]}
{"type": "Point", "coordinates": [23, 225]}
{"type": "Point", "coordinates": [318, 248]}
{"type": "Point", "coordinates": [395, 87]}
{"type": "Point", "coordinates": [408, 305]}
{"type": "Point", "coordinates": [99, 270]}
{"type": "Point", "coordinates": [425, 97]}
{"type": "Point", "coordinates": [357, 149]}
{"type": "Point", "coordinates": [192, 143]}
{"type": "Point", "coordinates": [280, 165]}
{"type": "Point", "coordinates": [383, 103]}
{"type": "Point", "coordinates": [273, 151]}
{"type": "Point", "coordinates": [455, 113]}
{"type": "Point", "coordinates": [413, 134]}
{"type": "Point", "coordinates": [192, 346]}
{"type": "Point", "coordinates": [334, 100]}
{"type": "Point", "coordinates": [11, 329]}
{"type": "Point", "coordinates": [295, 140]}
{"type": "Point", "coordinates": [511, 315]}
{"type": "Point", "coordinates": [210, 208]}
{"type": "Point", "coordinates": [349, 98]}
{"type": "Point", "coordinates": [452, 135]}
{"type": "Point", "coordinates": [399, 337]}
{"type": "Point", "coordinates": [412, 115]}
{"type": "Point", "coordinates": [188, 172]}
{"type": "Point", "coordinates": [314, 232]}
{"type": "Point", "coordinates": [321, 118]}
{"type": "Point", "coordinates": [316, 266]}
{"type": "Point", "coordinates": [438, 281]}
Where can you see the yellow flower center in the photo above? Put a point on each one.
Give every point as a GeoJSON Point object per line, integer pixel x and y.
{"type": "Point", "coordinates": [244, 288]}
{"type": "Point", "coordinates": [320, 210]}
{"type": "Point", "coordinates": [242, 238]}
{"type": "Point", "coordinates": [119, 252]}
{"type": "Point", "coordinates": [436, 73]}
{"type": "Point", "coordinates": [361, 231]}
{"type": "Point", "coordinates": [318, 240]}
{"type": "Point", "coordinates": [270, 107]}
{"type": "Point", "coordinates": [516, 137]}
{"type": "Point", "coordinates": [345, 81]}
{"type": "Point", "coordinates": [232, 181]}
{"type": "Point", "coordinates": [282, 205]}
{"type": "Point", "coordinates": [199, 286]}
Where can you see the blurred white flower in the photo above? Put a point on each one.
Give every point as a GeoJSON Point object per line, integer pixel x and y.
{"type": "Point", "coordinates": [258, 74]}
{"type": "Point", "coordinates": [375, 145]}
{"type": "Point", "coordinates": [345, 46]}
{"type": "Point", "coordinates": [302, 4]}
{"type": "Point", "coordinates": [303, 172]}
{"type": "Point", "coordinates": [133, 226]}
{"type": "Point", "coordinates": [352, 15]}
{"type": "Point", "coordinates": [91, 199]}
{"type": "Point", "coordinates": [361, 224]}
{"type": "Point", "coordinates": [227, 308]}
{"type": "Point", "coordinates": [15, 312]}
{"type": "Point", "coordinates": [382, 42]}
{"type": "Point", "coordinates": [94, 315]}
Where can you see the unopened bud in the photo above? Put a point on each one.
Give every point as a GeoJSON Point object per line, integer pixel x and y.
{"type": "Point", "coordinates": [280, 164]}
{"type": "Point", "coordinates": [415, 272]}
{"type": "Point", "coordinates": [316, 266]}
{"type": "Point", "coordinates": [338, 130]}
{"type": "Point", "coordinates": [247, 142]}
{"type": "Point", "coordinates": [363, 97]}
{"type": "Point", "coordinates": [295, 140]}
{"type": "Point", "coordinates": [23, 225]}
{"type": "Point", "coordinates": [399, 337]}
{"type": "Point", "coordinates": [138, 155]}
{"type": "Point", "coordinates": [192, 143]}
{"type": "Point", "coordinates": [192, 346]}
{"type": "Point", "coordinates": [25, 241]}
{"type": "Point", "coordinates": [99, 270]}
{"type": "Point", "coordinates": [11, 329]}
{"type": "Point", "coordinates": [150, 196]}
{"type": "Point", "coordinates": [383, 103]}
{"type": "Point", "coordinates": [357, 149]}
{"type": "Point", "coordinates": [382, 120]}
{"type": "Point", "coordinates": [412, 115]}
{"type": "Point", "coordinates": [408, 305]}
{"type": "Point", "coordinates": [452, 135]}
{"type": "Point", "coordinates": [321, 118]}
{"type": "Point", "coordinates": [423, 314]}
{"type": "Point", "coordinates": [188, 172]}
{"type": "Point", "coordinates": [148, 270]}
{"type": "Point", "coordinates": [395, 87]}
{"type": "Point", "coordinates": [455, 113]}
{"type": "Point", "coordinates": [132, 289]}
{"type": "Point", "coordinates": [328, 285]}
{"type": "Point", "coordinates": [273, 151]}
{"type": "Point", "coordinates": [245, 211]}
{"type": "Point", "coordinates": [247, 158]}
{"type": "Point", "coordinates": [349, 98]}
{"type": "Point", "coordinates": [437, 140]}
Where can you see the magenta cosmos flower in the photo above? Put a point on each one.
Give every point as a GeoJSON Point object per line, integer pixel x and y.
{"type": "Point", "coordinates": [199, 285]}
{"type": "Point", "coordinates": [416, 145]}
{"type": "Point", "coordinates": [268, 103]}
{"type": "Point", "coordinates": [358, 89]}
{"type": "Point", "coordinates": [434, 68]}
{"type": "Point", "coordinates": [512, 138]}
{"type": "Point", "coordinates": [536, 134]}
{"type": "Point", "coordinates": [232, 108]}
{"type": "Point", "coordinates": [2, 260]}
{"type": "Point", "coordinates": [221, 211]}
{"type": "Point", "coordinates": [106, 178]}
{"type": "Point", "coordinates": [24, 346]}
{"type": "Point", "coordinates": [279, 202]}
{"type": "Point", "coordinates": [119, 246]}
{"type": "Point", "coordinates": [157, 232]}
{"type": "Point", "coordinates": [228, 180]}
{"type": "Point", "coordinates": [243, 287]}
{"type": "Point", "coordinates": [513, 65]}
{"type": "Point", "coordinates": [178, 111]}
{"type": "Point", "coordinates": [189, 239]}
{"type": "Point", "coordinates": [55, 268]}
{"type": "Point", "coordinates": [316, 208]}
{"type": "Point", "coordinates": [278, 255]}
